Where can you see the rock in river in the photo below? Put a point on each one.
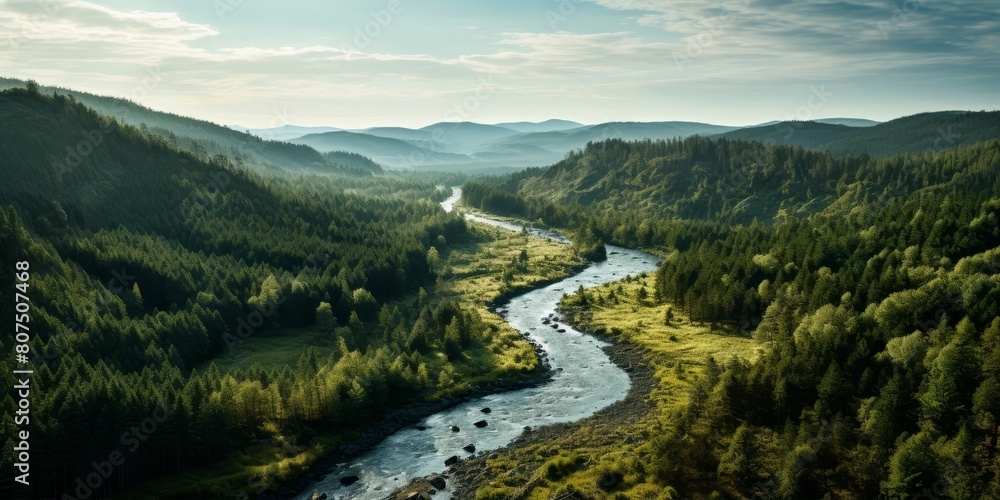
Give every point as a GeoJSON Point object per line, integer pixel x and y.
{"type": "Point", "coordinates": [349, 480]}
{"type": "Point", "coordinates": [481, 423]}
{"type": "Point", "coordinates": [471, 448]}
{"type": "Point", "coordinates": [486, 410]}
{"type": "Point", "coordinates": [452, 460]}
{"type": "Point", "coordinates": [438, 482]}
{"type": "Point", "coordinates": [455, 428]}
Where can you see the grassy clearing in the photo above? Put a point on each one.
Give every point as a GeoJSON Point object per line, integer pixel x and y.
{"type": "Point", "coordinates": [576, 462]}
{"type": "Point", "coordinates": [272, 348]}
{"type": "Point", "coordinates": [499, 263]}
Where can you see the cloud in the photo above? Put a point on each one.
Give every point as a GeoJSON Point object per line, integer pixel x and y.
{"type": "Point", "coordinates": [84, 22]}
{"type": "Point", "coordinates": [655, 51]}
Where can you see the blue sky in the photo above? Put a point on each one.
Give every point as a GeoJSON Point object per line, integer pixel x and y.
{"type": "Point", "coordinates": [410, 63]}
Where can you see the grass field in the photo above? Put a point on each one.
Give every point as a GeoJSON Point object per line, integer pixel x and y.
{"type": "Point", "coordinates": [575, 462]}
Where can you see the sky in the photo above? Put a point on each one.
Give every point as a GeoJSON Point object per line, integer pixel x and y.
{"type": "Point", "coordinates": [361, 63]}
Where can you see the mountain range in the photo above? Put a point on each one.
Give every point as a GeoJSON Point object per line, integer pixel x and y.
{"type": "Point", "coordinates": [478, 147]}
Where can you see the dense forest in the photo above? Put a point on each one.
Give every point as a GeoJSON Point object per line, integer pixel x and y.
{"type": "Point", "coordinates": [148, 260]}
{"type": "Point", "coordinates": [873, 285]}
{"type": "Point", "coordinates": [909, 134]}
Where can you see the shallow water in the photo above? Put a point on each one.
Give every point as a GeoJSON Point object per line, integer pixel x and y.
{"type": "Point", "coordinates": [585, 381]}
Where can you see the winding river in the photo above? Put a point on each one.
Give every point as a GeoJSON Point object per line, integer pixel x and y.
{"type": "Point", "coordinates": [584, 381]}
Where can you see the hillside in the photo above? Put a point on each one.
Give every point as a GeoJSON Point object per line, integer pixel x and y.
{"type": "Point", "coordinates": [391, 152]}
{"type": "Point", "coordinates": [204, 138]}
{"type": "Point", "coordinates": [733, 180]}
{"type": "Point", "coordinates": [865, 291]}
{"type": "Point", "coordinates": [148, 262]}
{"type": "Point", "coordinates": [911, 134]}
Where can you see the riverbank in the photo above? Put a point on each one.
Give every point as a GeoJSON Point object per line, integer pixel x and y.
{"type": "Point", "coordinates": [469, 476]}
{"type": "Point", "coordinates": [611, 451]}
{"type": "Point", "coordinates": [482, 275]}
{"type": "Point", "coordinates": [408, 416]}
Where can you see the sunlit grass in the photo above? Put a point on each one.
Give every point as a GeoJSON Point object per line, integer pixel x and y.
{"type": "Point", "coordinates": [477, 274]}
{"type": "Point", "coordinates": [271, 348]}
{"type": "Point", "coordinates": [575, 462]}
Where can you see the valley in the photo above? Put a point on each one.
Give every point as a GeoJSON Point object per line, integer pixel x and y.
{"type": "Point", "coordinates": [454, 250]}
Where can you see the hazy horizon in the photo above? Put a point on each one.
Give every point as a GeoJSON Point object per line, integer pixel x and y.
{"type": "Point", "coordinates": [411, 64]}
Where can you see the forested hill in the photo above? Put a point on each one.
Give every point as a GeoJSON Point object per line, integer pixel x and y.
{"type": "Point", "coordinates": [207, 139]}
{"type": "Point", "coordinates": [872, 292]}
{"type": "Point", "coordinates": [148, 261]}
{"type": "Point", "coordinates": [731, 180]}
{"type": "Point", "coordinates": [911, 134]}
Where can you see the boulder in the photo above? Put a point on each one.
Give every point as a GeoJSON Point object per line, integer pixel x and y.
{"type": "Point", "coordinates": [486, 410]}
{"type": "Point", "coordinates": [437, 482]}
{"type": "Point", "coordinates": [481, 423]}
{"type": "Point", "coordinates": [452, 460]}
{"type": "Point", "coordinates": [455, 428]}
{"type": "Point", "coordinates": [349, 480]}
{"type": "Point", "coordinates": [421, 427]}
{"type": "Point", "coordinates": [471, 448]}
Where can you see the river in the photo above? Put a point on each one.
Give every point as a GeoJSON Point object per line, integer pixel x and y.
{"type": "Point", "coordinates": [584, 381]}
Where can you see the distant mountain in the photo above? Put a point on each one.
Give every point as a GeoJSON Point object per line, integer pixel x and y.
{"type": "Point", "coordinates": [563, 141]}
{"type": "Point", "coordinates": [910, 134]}
{"type": "Point", "coordinates": [387, 151]}
{"type": "Point", "coordinates": [850, 122]}
{"type": "Point", "coordinates": [546, 126]}
{"type": "Point", "coordinates": [202, 138]}
{"type": "Point", "coordinates": [466, 136]}
{"type": "Point", "coordinates": [473, 145]}
{"type": "Point", "coordinates": [401, 133]}
{"type": "Point", "coordinates": [285, 132]}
